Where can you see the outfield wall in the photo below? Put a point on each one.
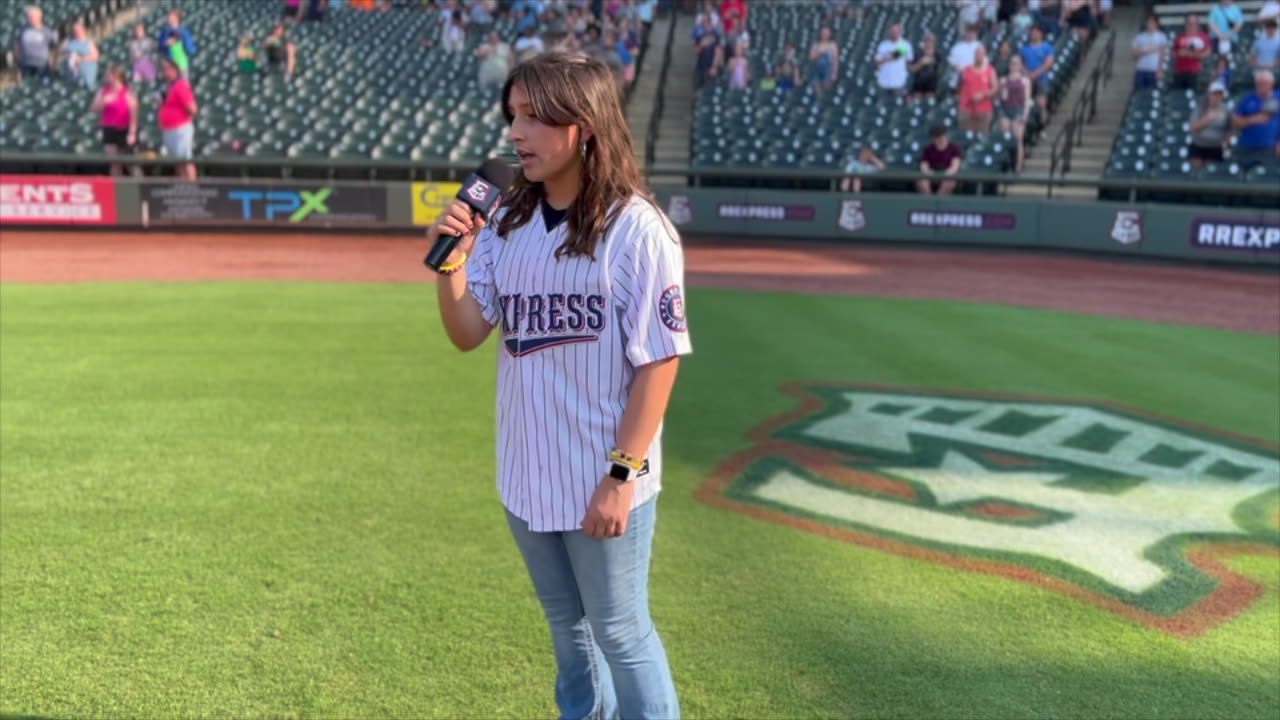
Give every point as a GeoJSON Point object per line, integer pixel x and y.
{"type": "Point", "coordinates": [1185, 232]}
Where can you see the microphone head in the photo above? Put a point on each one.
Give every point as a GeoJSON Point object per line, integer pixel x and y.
{"type": "Point", "coordinates": [498, 173]}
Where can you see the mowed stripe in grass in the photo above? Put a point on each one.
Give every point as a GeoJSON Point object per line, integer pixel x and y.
{"type": "Point", "coordinates": [277, 499]}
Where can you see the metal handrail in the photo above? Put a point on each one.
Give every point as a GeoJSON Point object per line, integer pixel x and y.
{"type": "Point", "coordinates": [1061, 157]}
{"type": "Point", "coordinates": [651, 137]}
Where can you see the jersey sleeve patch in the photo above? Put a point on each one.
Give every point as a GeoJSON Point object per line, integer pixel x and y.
{"type": "Point", "coordinates": [671, 309]}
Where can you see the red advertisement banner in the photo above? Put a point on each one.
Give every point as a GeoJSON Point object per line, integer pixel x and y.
{"type": "Point", "coordinates": [57, 199]}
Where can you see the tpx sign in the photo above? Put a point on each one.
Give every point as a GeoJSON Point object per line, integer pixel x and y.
{"type": "Point", "coordinates": [268, 204]}
{"type": "Point", "coordinates": [1127, 511]}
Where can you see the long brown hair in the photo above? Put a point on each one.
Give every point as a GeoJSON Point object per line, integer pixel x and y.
{"type": "Point", "coordinates": [570, 90]}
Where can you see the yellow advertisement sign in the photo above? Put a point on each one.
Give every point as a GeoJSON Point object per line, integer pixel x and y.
{"type": "Point", "coordinates": [430, 199]}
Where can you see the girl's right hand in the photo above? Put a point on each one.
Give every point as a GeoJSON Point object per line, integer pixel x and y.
{"type": "Point", "coordinates": [457, 220]}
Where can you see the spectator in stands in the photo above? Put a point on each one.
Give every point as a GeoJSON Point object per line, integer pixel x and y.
{"type": "Point", "coordinates": [939, 156]}
{"type": "Point", "coordinates": [1037, 57]}
{"type": "Point", "coordinates": [317, 10]}
{"type": "Point", "coordinates": [710, 58]}
{"type": "Point", "coordinates": [978, 88]}
{"type": "Point", "coordinates": [1265, 53]}
{"type": "Point", "coordinates": [1015, 106]}
{"type": "Point", "coordinates": [709, 13]}
{"type": "Point", "coordinates": [924, 71]}
{"type": "Point", "coordinates": [961, 55]}
{"type": "Point", "coordinates": [1257, 120]}
{"type": "Point", "coordinates": [1210, 128]}
{"type": "Point", "coordinates": [480, 17]}
{"type": "Point", "coordinates": [1022, 19]}
{"type": "Point", "coordinates": [529, 44]}
{"type": "Point", "coordinates": [247, 55]}
{"type": "Point", "coordinates": [1003, 59]}
{"type": "Point", "coordinates": [788, 69]}
{"type": "Point", "coordinates": [702, 27]}
{"type": "Point", "coordinates": [970, 13]}
{"type": "Point", "coordinates": [865, 163]}
{"type": "Point", "coordinates": [453, 34]}
{"type": "Point", "coordinates": [117, 109]}
{"type": "Point", "coordinates": [769, 82]}
{"type": "Point", "coordinates": [1079, 16]}
{"type": "Point", "coordinates": [1006, 9]}
{"type": "Point", "coordinates": [32, 46]}
{"type": "Point", "coordinates": [644, 15]}
{"type": "Point", "coordinates": [495, 60]}
{"type": "Point", "coordinates": [1225, 21]}
{"type": "Point", "coordinates": [142, 53]}
{"type": "Point", "coordinates": [1149, 50]}
{"type": "Point", "coordinates": [81, 54]}
{"type": "Point", "coordinates": [1104, 13]}
{"type": "Point", "coordinates": [824, 61]}
{"type": "Point", "coordinates": [733, 13]}
{"type": "Point", "coordinates": [619, 57]}
{"type": "Point", "coordinates": [1049, 16]}
{"type": "Point", "coordinates": [292, 10]}
{"type": "Point", "coordinates": [892, 57]}
{"type": "Point", "coordinates": [174, 32]}
{"type": "Point", "coordinates": [1190, 48]}
{"type": "Point", "coordinates": [177, 116]}
{"type": "Point", "coordinates": [1222, 71]}
{"type": "Point", "coordinates": [279, 50]}
{"type": "Point", "coordinates": [739, 68]}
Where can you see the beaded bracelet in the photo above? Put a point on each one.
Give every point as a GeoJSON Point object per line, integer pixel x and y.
{"type": "Point", "coordinates": [448, 270]}
{"type": "Point", "coordinates": [625, 459]}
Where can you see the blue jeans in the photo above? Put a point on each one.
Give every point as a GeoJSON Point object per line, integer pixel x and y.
{"type": "Point", "coordinates": [595, 593]}
{"type": "Point", "coordinates": [1144, 80]}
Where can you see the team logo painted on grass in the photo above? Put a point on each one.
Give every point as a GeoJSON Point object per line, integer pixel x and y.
{"type": "Point", "coordinates": [1109, 505]}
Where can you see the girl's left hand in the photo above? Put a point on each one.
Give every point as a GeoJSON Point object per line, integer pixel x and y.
{"type": "Point", "coordinates": [608, 510]}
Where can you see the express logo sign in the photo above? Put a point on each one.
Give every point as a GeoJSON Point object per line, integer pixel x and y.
{"type": "Point", "coordinates": [1129, 512]}
{"type": "Point", "coordinates": [1235, 234]}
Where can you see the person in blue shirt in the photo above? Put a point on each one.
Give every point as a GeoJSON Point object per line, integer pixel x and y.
{"type": "Point", "coordinates": [1225, 22]}
{"type": "Point", "coordinates": [1037, 57]}
{"type": "Point", "coordinates": [1257, 120]}
{"type": "Point", "coordinates": [179, 32]}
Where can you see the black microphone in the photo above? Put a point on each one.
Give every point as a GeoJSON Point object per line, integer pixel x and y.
{"type": "Point", "coordinates": [482, 191]}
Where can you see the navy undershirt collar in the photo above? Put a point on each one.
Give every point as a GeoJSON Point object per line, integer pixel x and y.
{"type": "Point", "coordinates": [551, 216]}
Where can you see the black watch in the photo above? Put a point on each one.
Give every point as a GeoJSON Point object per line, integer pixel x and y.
{"type": "Point", "coordinates": [621, 472]}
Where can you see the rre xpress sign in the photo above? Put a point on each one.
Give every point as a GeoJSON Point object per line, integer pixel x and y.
{"type": "Point", "coordinates": [1235, 234]}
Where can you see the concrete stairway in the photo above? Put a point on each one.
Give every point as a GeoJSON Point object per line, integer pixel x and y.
{"type": "Point", "coordinates": [1090, 156]}
{"type": "Point", "coordinates": [648, 83]}
{"type": "Point", "coordinates": [676, 122]}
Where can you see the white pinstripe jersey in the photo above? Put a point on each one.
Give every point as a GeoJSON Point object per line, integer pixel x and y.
{"type": "Point", "coordinates": [573, 330]}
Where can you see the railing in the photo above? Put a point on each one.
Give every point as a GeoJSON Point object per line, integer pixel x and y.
{"type": "Point", "coordinates": [981, 181]}
{"type": "Point", "coordinates": [1083, 113]}
{"type": "Point", "coordinates": [1060, 150]}
{"type": "Point", "coordinates": [694, 176]}
{"type": "Point", "coordinates": [651, 137]}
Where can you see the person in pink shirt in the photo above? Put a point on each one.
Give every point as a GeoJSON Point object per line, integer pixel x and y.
{"type": "Point", "coordinates": [978, 87]}
{"type": "Point", "coordinates": [118, 109]}
{"type": "Point", "coordinates": [177, 118]}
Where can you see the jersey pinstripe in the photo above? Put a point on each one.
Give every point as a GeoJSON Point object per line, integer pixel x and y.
{"type": "Point", "coordinates": [573, 330]}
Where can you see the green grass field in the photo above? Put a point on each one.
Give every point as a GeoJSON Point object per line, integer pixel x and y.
{"type": "Point", "coordinates": [276, 500]}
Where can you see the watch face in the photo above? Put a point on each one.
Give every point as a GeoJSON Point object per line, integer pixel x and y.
{"type": "Point", "coordinates": [620, 472]}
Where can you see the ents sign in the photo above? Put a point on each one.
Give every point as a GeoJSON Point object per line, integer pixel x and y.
{"type": "Point", "coordinates": [200, 203]}
{"type": "Point", "coordinates": [1106, 505]}
{"type": "Point", "coordinates": [57, 199]}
